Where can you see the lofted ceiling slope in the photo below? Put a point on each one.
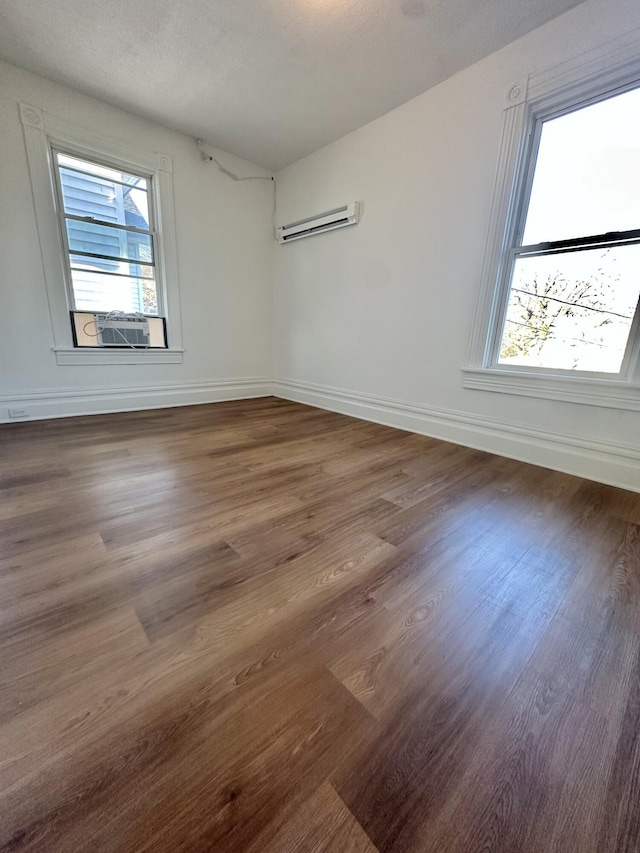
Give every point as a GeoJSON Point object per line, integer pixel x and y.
{"type": "Point", "coordinates": [269, 80]}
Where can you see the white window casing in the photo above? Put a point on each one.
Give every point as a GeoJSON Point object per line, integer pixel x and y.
{"type": "Point", "coordinates": [606, 71]}
{"type": "Point", "coordinates": [43, 135]}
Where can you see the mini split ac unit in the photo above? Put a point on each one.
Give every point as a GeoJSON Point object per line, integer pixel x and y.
{"type": "Point", "coordinates": [338, 218]}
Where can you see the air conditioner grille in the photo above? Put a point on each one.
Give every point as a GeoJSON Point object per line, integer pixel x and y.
{"type": "Point", "coordinates": [316, 229]}
{"type": "Point", "coordinates": [124, 335]}
{"type": "Point", "coordinates": [339, 217]}
{"type": "Point", "coordinates": [122, 330]}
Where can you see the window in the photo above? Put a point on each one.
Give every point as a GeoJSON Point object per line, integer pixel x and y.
{"type": "Point", "coordinates": [574, 275]}
{"type": "Point", "coordinates": [104, 211]}
{"type": "Point", "coordinates": [107, 229]}
{"type": "Point", "coordinates": [558, 308]}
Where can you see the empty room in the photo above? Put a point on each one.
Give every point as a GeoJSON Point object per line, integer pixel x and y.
{"type": "Point", "coordinates": [320, 426]}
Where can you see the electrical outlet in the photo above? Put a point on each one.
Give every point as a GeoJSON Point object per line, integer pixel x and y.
{"type": "Point", "coordinates": [18, 413]}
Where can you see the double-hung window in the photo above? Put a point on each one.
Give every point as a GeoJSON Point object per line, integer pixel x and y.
{"type": "Point", "coordinates": [106, 228]}
{"type": "Point", "coordinates": [106, 218]}
{"type": "Point", "coordinates": [574, 271]}
{"type": "Point", "coordinates": [559, 314]}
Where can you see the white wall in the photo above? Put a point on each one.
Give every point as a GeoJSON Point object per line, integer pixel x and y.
{"type": "Point", "coordinates": [224, 241]}
{"type": "Point", "coordinates": [384, 309]}
{"type": "Point", "coordinates": [373, 320]}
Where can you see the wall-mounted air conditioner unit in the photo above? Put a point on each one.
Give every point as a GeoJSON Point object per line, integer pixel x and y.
{"type": "Point", "coordinates": [338, 218]}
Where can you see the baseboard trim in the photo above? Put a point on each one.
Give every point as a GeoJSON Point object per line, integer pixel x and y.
{"type": "Point", "coordinates": [44, 404]}
{"type": "Point", "coordinates": [605, 462]}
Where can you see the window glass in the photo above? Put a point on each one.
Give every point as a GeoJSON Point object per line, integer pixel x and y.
{"type": "Point", "coordinates": [106, 215]}
{"type": "Point", "coordinates": [587, 175]}
{"type": "Point", "coordinates": [573, 309]}
{"type": "Point", "coordinates": [96, 291]}
{"type": "Point", "coordinates": [94, 239]}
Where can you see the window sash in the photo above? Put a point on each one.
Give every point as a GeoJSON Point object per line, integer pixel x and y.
{"type": "Point", "coordinates": [95, 221]}
{"type": "Point", "coordinates": [75, 253]}
{"type": "Point", "coordinates": [604, 241]}
{"type": "Point", "coordinates": [632, 346]}
{"type": "Point", "coordinates": [120, 258]}
{"type": "Point", "coordinates": [118, 274]}
{"type": "Point", "coordinates": [80, 171]}
{"type": "Point", "coordinates": [63, 217]}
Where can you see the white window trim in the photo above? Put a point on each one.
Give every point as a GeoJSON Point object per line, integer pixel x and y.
{"type": "Point", "coordinates": [41, 132]}
{"type": "Point", "coordinates": [608, 69]}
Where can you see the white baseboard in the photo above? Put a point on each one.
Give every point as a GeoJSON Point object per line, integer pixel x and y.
{"type": "Point", "coordinates": [604, 462]}
{"type": "Point", "coordinates": [69, 403]}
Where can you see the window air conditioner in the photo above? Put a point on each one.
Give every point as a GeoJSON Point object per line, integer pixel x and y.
{"type": "Point", "coordinates": [122, 330]}
{"type": "Point", "coordinates": [338, 218]}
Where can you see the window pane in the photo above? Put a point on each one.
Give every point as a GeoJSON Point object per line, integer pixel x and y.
{"type": "Point", "coordinates": [98, 291]}
{"type": "Point", "coordinates": [102, 240]}
{"type": "Point", "coordinates": [572, 311]}
{"type": "Point", "coordinates": [106, 194]}
{"type": "Point", "coordinates": [587, 176]}
{"type": "Point", "coordinates": [135, 270]}
{"type": "Point", "coordinates": [96, 169]}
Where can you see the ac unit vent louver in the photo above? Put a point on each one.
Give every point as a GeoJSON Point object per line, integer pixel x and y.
{"type": "Point", "coordinates": [338, 218]}
{"type": "Point", "coordinates": [118, 330]}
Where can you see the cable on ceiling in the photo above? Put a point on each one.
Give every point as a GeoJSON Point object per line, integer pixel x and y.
{"type": "Point", "coordinates": [208, 158]}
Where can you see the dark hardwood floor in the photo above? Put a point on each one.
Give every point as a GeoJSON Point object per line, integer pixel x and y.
{"type": "Point", "coordinates": [258, 626]}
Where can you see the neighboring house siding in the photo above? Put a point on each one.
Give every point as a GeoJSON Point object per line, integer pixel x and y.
{"type": "Point", "coordinates": [86, 195]}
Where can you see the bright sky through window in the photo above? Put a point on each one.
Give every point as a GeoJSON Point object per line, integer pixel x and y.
{"type": "Point", "coordinates": [572, 307]}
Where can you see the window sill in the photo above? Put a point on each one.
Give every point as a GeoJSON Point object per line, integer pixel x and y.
{"type": "Point", "coordinates": [80, 355]}
{"type": "Point", "coordinates": [609, 393]}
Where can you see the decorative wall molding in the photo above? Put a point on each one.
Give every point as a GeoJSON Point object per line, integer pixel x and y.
{"type": "Point", "coordinates": [517, 94]}
{"type": "Point", "coordinates": [165, 163]}
{"type": "Point", "coordinates": [611, 64]}
{"type": "Point", "coordinates": [31, 116]}
{"type": "Point", "coordinates": [609, 394]}
{"type": "Point", "coordinates": [606, 462]}
{"type": "Point", "coordinates": [64, 403]}
{"type": "Point", "coordinates": [511, 157]}
{"type": "Point", "coordinates": [85, 355]}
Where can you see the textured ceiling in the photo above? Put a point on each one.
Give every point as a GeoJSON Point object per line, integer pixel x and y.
{"type": "Point", "coordinates": [269, 80]}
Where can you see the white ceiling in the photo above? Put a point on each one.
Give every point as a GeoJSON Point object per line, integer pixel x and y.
{"type": "Point", "coordinates": [269, 80]}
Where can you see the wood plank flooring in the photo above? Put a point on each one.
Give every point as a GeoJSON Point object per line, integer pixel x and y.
{"type": "Point", "coordinates": [257, 626]}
